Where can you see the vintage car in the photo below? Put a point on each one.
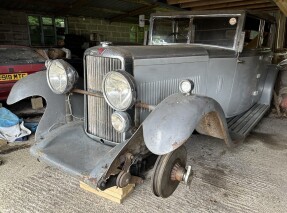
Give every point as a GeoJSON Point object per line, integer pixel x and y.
{"type": "Point", "coordinates": [207, 71]}
{"type": "Point", "coordinates": [17, 62]}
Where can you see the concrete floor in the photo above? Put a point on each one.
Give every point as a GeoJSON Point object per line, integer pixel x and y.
{"type": "Point", "coordinates": [250, 178]}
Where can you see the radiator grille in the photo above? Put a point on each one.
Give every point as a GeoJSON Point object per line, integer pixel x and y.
{"type": "Point", "coordinates": [98, 111]}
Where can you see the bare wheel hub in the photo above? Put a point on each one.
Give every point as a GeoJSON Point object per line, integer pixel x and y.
{"type": "Point", "coordinates": [169, 171]}
{"type": "Point", "coordinates": [177, 172]}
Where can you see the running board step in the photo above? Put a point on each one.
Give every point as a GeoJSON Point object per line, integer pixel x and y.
{"type": "Point", "coordinates": [241, 125]}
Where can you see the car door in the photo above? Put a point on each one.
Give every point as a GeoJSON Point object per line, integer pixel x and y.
{"type": "Point", "coordinates": [248, 68]}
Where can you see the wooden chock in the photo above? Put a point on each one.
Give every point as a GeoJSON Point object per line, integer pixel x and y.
{"type": "Point", "coordinates": [114, 193]}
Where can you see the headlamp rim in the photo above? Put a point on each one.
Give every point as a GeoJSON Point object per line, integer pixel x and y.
{"type": "Point", "coordinates": [71, 77]}
{"type": "Point", "coordinates": [126, 118]}
{"type": "Point", "coordinates": [131, 82]}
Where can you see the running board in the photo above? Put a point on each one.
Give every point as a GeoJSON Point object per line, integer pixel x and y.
{"type": "Point", "coordinates": [241, 125]}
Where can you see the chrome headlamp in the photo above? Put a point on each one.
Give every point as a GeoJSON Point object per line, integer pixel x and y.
{"type": "Point", "coordinates": [61, 76]}
{"type": "Point", "coordinates": [119, 90]}
{"type": "Point", "coordinates": [121, 121]}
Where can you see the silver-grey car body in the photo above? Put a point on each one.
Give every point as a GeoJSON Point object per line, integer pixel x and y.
{"type": "Point", "coordinates": [226, 55]}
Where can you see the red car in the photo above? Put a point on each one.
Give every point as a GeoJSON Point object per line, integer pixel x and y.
{"type": "Point", "coordinates": [17, 62]}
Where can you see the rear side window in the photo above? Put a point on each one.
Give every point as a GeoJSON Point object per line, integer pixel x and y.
{"type": "Point", "coordinates": [251, 28]}
{"type": "Point", "coordinates": [19, 56]}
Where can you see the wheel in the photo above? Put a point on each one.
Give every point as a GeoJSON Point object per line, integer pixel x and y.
{"type": "Point", "coordinates": [164, 182]}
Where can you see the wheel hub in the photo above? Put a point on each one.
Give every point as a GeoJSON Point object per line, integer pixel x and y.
{"type": "Point", "coordinates": [169, 171]}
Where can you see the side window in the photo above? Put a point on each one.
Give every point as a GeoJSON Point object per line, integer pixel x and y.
{"type": "Point", "coordinates": [35, 30]}
{"type": "Point", "coordinates": [252, 35]}
{"type": "Point", "coordinates": [219, 31]}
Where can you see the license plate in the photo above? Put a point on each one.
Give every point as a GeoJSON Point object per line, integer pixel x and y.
{"type": "Point", "coordinates": [12, 77]}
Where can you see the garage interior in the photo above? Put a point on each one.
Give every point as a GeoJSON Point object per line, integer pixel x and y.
{"type": "Point", "coordinates": [248, 178]}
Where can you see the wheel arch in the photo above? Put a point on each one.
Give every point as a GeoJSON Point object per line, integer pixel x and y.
{"type": "Point", "coordinates": [173, 121]}
{"type": "Point", "coordinates": [55, 112]}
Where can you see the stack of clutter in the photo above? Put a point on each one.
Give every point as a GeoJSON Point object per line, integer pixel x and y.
{"type": "Point", "coordinates": [11, 127]}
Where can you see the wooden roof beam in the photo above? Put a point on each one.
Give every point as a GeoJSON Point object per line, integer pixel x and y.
{"type": "Point", "coordinates": [104, 10]}
{"type": "Point", "coordinates": [282, 4]}
{"type": "Point", "coordinates": [267, 9]}
{"type": "Point", "coordinates": [251, 4]}
{"type": "Point", "coordinates": [142, 2]}
{"type": "Point", "coordinates": [208, 3]}
{"type": "Point", "coordinates": [181, 1]}
{"type": "Point", "coordinates": [46, 3]}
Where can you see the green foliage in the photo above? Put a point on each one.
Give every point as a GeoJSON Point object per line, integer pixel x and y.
{"type": "Point", "coordinates": [33, 20]}
{"type": "Point", "coordinates": [47, 21]}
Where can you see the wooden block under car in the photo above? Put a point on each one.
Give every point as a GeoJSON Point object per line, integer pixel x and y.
{"type": "Point", "coordinates": [37, 103]}
{"type": "Point", "coordinates": [114, 194]}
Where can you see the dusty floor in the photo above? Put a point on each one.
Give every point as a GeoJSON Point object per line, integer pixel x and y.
{"type": "Point", "coordinates": [249, 178]}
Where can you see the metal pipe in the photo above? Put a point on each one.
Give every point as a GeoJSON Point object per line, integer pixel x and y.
{"type": "Point", "coordinates": [84, 92]}
{"type": "Point", "coordinates": [145, 106]}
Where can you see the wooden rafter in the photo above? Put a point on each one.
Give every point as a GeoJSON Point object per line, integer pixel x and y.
{"type": "Point", "coordinates": [181, 1]}
{"type": "Point", "coordinates": [209, 3]}
{"type": "Point", "coordinates": [46, 3]}
{"type": "Point", "coordinates": [143, 2]}
{"type": "Point", "coordinates": [253, 7]}
{"type": "Point", "coordinates": [282, 4]}
{"type": "Point", "coordinates": [222, 3]}
{"type": "Point", "coordinates": [269, 5]}
{"type": "Point", "coordinates": [104, 10]}
{"type": "Point", "coordinates": [248, 4]}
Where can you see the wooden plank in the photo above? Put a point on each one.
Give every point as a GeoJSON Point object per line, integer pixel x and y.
{"type": "Point", "coordinates": [104, 10]}
{"type": "Point", "coordinates": [47, 3]}
{"type": "Point", "coordinates": [255, 6]}
{"type": "Point", "coordinates": [251, 6]}
{"type": "Point", "coordinates": [267, 9]}
{"type": "Point", "coordinates": [282, 4]}
{"type": "Point", "coordinates": [208, 3]}
{"type": "Point", "coordinates": [143, 2]}
{"type": "Point", "coordinates": [181, 1]}
{"type": "Point", "coordinates": [114, 194]}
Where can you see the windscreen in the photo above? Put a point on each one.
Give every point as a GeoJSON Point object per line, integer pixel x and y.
{"type": "Point", "coordinates": [218, 31]}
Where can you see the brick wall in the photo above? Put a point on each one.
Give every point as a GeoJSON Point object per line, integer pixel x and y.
{"type": "Point", "coordinates": [13, 28]}
{"type": "Point", "coordinates": [115, 32]}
